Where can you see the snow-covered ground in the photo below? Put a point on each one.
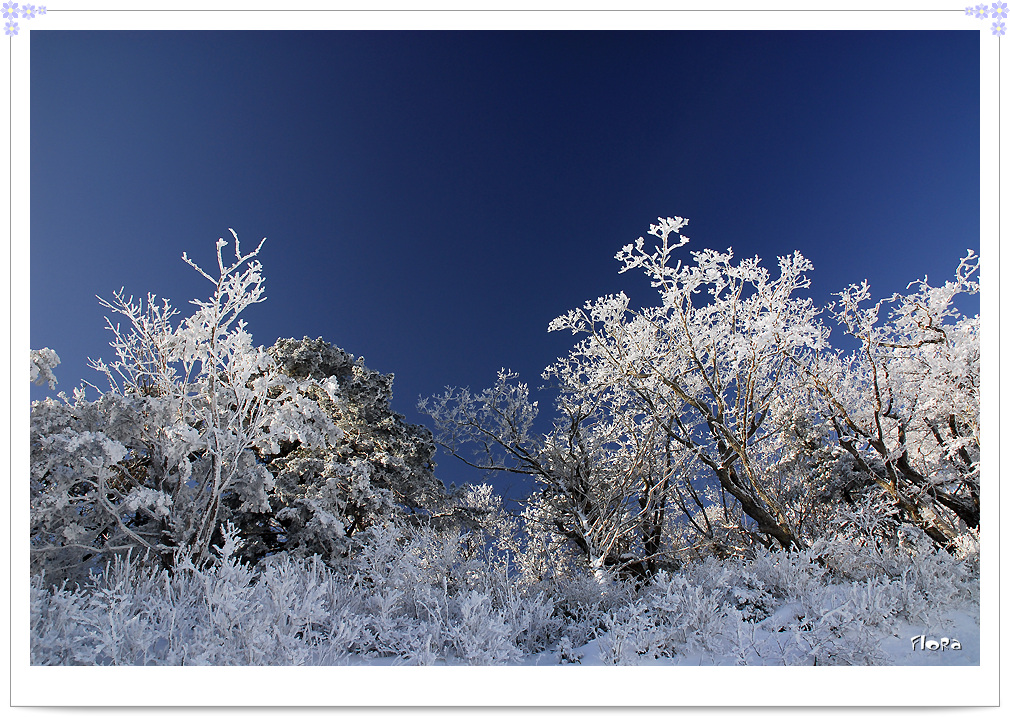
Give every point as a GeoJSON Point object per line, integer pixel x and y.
{"type": "Point", "coordinates": [769, 645]}
{"type": "Point", "coordinates": [416, 600]}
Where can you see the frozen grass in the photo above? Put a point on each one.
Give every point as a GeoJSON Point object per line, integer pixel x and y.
{"type": "Point", "coordinates": [416, 596]}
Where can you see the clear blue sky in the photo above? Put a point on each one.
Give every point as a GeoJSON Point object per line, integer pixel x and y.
{"type": "Point", "coordinates": [432, 200]}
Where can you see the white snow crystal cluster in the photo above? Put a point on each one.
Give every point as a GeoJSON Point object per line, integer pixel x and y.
{"type": "Point", "coordinates": [43, 363]}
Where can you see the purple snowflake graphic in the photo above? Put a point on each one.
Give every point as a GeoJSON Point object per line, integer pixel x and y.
{"type": "Point", "coordinates": [999, 13]}
{"type": "Point", "coordinates": [28, 11]}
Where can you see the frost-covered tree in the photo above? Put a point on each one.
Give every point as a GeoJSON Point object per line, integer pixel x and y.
{"type": "Point", "coordinates": [721, 409]}
{"type": "Point", "coordinates": [649, 394]}
{"type": "Point", "coordinates": [708, 362]}
{"type": "Point", "coordinates": [148, 465]}
{"type": "Point", "coordinates": [323, 495]}
{"type": "Point", "coordinates": [905, 405]}
{"type": "Point", "coordinates": [199, 427]}
{"type": "Point", "coordinates": [593, 487]}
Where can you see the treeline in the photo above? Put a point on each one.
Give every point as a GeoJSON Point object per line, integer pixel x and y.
{"type": "Point", "coordinates": [717, 424]}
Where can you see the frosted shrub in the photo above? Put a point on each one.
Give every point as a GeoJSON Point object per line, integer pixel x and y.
{"type": "Point", "coordinates": [788, 575]}
{"type": "Point", "coordinates": [458, 601]}
{"type": "Point", "coordinates": [135, 613]}
{"type": "Point", "coordinates": [226, 614]}
{"type": "Point", "coordinates": [966, 549]}
{"type": "Point", "coordinates": [154, 463]}
{"type": "Point", "coordinates": [418, 595]}
{"type": "Point", "coordinates": [871, 544]}
{"type": "Point", "coordinates": [675, 616]}
{"type": "Point", "coordinates": [295, 444]}
{"type": "Point", "coordinates": [934, 580]}
{"type": "Point", "coordinates": [788, 608]}
{"type": "Point", "coordinates": [55, 620]}
{"type": "Point", "coordinates": [479, 634]}
{"type": "Point", "coordinates": [584, 603]}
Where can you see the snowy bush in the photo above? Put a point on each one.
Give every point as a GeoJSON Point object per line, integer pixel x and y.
{"type": "Point", "coordinates": [420, 595]}
{"type": "Point", "coordinates": [296, 445]}
{"type": "Point", "coordinates": [136, 613]}
{"type": "Point", "coordinates": [291, 610]}
{"type": "Point", "coordinates": [792, 608]}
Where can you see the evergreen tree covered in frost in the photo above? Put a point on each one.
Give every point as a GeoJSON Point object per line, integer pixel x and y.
{"type": "Point", "coordinates": [296, 444]}
{"type": "Point", "coordinates": [324, 495]}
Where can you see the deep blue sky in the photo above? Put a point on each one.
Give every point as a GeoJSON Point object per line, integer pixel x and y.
{"type": "Point", "coordinates": [432, 200]}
